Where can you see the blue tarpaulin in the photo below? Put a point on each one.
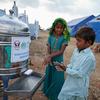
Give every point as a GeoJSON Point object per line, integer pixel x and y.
{"type": "Point", "coordinates": [75, 24]}
{"type": "Point", "coordinates": [95, 24]}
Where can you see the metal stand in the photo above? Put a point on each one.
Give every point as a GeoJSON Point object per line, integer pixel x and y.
{"type": "Point", "coordinates": [5, 80]}
{"type": "Point", "coordinates": [25, 86]}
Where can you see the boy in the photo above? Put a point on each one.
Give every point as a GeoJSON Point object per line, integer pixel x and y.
{"type": "Point", "coordinates": [81, 65]}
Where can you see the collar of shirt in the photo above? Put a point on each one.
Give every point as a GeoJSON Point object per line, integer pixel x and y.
{"type": "Point", "coordinates": [84, 50]}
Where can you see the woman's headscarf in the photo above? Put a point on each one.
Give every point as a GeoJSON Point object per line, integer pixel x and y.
{"type": "Point", "coordinates": [64, 23]}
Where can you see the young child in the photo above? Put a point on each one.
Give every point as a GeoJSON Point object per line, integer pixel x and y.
{"type": "Point", "coordinates": [57, 42]}
{"type": "Point", "coordinates": [81, 65]}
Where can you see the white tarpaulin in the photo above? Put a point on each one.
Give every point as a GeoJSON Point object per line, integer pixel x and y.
{"type": "Point", "coordinates": [19, 49]}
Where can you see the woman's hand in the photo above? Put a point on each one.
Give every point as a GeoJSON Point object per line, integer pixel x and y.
{"type": "Point", "coordinates": [47, 60]}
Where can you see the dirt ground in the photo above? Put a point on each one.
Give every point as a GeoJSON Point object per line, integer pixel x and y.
{"type": "Point", "coordinates": [38, 52]}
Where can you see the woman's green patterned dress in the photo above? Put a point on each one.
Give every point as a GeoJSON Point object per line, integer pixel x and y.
{"type": "Point", "coordinates": [54, 79]}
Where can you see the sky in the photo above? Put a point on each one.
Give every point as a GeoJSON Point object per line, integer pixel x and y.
{"type": "Point", "coordinates": [46, 11]}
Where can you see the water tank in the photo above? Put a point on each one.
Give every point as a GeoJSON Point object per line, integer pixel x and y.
{"type": "Point", "coordinates": [14, 45]}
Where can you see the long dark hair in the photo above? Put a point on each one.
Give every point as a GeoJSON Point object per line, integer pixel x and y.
{"type": "Point", "coordinates": [64, 24]}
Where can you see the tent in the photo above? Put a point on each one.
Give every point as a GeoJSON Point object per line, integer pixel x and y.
{"type": "Point", "coordinates": [2, 12]}
{"type": "Point", "coordinates": [75, 24]}
{"type": "Point", "coordinates": [95, 24]}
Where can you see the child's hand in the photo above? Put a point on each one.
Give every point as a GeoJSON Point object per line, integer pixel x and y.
{"type": "Point", "coordinates": [47, 60]}
{"type": "Point", "coordinates": [59, 68]}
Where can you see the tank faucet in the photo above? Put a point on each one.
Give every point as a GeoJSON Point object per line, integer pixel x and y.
{"type": "Point", "coordinates": [11, 12]}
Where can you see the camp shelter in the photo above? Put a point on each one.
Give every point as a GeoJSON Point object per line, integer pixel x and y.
{"type": "Point", "coordinates": [95, 24]}
{"type": "Point", "coordinates": [75, 24]}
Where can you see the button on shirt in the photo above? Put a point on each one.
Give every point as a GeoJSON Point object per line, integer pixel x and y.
{"type": "Point", "coordinates": [81, 65]}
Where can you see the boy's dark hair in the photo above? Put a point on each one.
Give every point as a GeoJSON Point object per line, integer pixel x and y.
{"type": "Point", "coordinates": [86, 33]}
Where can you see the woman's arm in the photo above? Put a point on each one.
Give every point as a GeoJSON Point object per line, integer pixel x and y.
{"type": "Point", "coordinates": [51, 54]}
{"type": "Point", "coordinates": [57, 53]}
{"type": "Point", "coordinates": [47, 58]}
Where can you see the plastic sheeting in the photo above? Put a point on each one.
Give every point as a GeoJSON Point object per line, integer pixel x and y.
{"type": "Point", "coordinates": [75, 24]}
{"type": "Point", "coordinates": [95, 24]}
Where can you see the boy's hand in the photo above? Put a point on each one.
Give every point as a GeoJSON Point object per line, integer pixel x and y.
{"type": "Point", "coordinates": [59, 68]}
